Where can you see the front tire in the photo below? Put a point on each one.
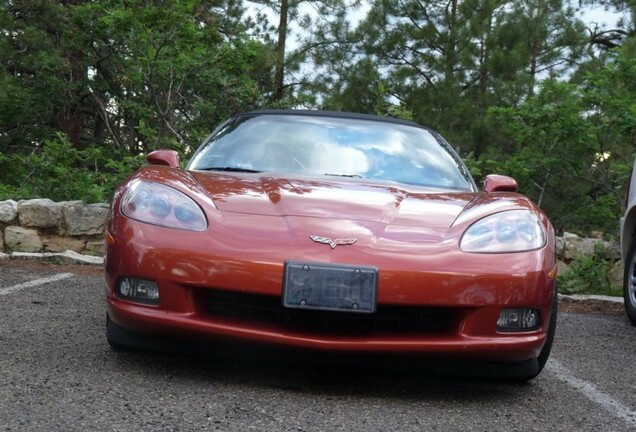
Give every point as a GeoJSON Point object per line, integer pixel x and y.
{"type": "Point", "coordinates": [544, 355]}
{"type": "Point", "coordinates": [114, 336]}
{"type": "Point", "coordinates": [121, 339]}
{"type": "Point", "coordinates": [629, 283]}
{"type": "Point", "coordinates": [547, 348]}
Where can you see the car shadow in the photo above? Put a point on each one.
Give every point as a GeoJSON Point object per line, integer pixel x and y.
{"type": "Point", "coordinates": [317, 373]}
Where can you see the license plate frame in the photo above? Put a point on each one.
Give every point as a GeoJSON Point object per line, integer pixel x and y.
{"type": "Point", "coordinates": [330, 287]}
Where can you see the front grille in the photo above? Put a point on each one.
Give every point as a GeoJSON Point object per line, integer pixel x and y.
{"type": "Point", "coordinates": [262, 309]}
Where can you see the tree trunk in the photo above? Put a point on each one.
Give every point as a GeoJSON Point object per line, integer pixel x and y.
{"type": "Point", "coordinates": [280, 51]}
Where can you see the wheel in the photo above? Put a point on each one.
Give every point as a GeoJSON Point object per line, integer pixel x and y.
{"type": "Point", "coordinates": [629, 283]}
{"type": "Point", "coordinates": [113, 336]}
{"type": "Point", "coordinates": [121, 339]}
{"type": "Point", "coordinates": [547, 348]}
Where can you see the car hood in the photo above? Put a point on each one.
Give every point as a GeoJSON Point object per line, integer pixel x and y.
{"type": "Point", "coordinates": [340, 199]}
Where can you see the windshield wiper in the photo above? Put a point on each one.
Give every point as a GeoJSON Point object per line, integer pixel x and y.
{"type": "Point", "coordinates": [229, 169]}
{"type": "Point", "coordinates": [344, 175]}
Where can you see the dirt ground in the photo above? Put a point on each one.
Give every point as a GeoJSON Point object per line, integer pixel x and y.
{"type": "Point", "coordinates": [52, 265]}
{"type": "Point", "coordinates": [595, 307]}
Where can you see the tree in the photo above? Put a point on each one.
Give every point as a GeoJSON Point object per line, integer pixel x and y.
{"type": "Point", "coordinates": [611, 96]}
{"type": "Point", "coordinates": [39, 73]}
{"type": "Point", "coordinates": [554, 150]}
{"type": "Point", "coordinates": [449, 61]}
{"type": "Point", "coordinates": [613, 37]}
{"type": "Point", "coordinates": [172, 72]}
{"type": "Point", "coordinates": [134, 74]}
{"type": "Point", "coordinates": [572, 145]}
{"type": "Point", "coordinates": [124, 75]}
{"type": "Point", "coordinates": [292, 11]}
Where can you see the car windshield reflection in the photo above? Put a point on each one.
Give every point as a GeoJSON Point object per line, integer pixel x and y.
{"type": "Point", "coordinates": [333, 146]}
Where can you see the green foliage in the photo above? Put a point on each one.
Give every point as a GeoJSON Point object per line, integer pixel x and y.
{"type": "Point", "coordinates": [588, 275]}
{"type": "Point", "coordinates": [611, 95]}
{"type": "Point", "coordinates": [490, 76]}
{"type": "Point", "coordinates": [384, 108]}
{"type": "Point", "coordinates": [449, 62]}
{"type": "Point", "coordinates": [60, 172]}
{"type": "Point", "coordinates": [131, 75]}
{"type": "Point", "coordinates": [86, 87]}
{"type": "Point", "coordinates": [554, 151]}
{"type": "Point", "coordinates": [474, 166]}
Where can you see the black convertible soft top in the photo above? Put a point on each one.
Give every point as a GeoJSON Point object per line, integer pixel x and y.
{"type": "Point", "coordinates": [324, 113]}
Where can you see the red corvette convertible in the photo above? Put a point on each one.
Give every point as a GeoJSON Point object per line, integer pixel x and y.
{"type": "Point", "coordinates": [331, 231]}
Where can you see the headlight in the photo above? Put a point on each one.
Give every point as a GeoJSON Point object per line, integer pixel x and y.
{"type": "Point", "coordinates": [157, 204]}
{"type": "Point", "coordinates": [509, 231]}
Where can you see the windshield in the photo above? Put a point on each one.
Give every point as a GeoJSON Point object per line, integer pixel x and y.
{"type": "Point", "coordinates": [333, 146]}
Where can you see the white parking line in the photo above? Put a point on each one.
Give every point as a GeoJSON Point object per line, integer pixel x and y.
{"type": "Point", "coordinates": [592, 392]}
{"type": "Point", "coordinates": [34, 283]}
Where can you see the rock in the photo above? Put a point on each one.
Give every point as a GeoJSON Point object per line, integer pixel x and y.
{"type": "Point", "coordinates": [612, 250]}
{"type": "Point", "coordinates": [60, 244]}
{"type": "Point", "coordinates": [562, 268]}
{"type": "Point", "coordinates": [22, 239]}
{"type": "Point", "coordinates": [4, 256]}
{"type": "Point", "coordinates": [8, 211]}
{"type": "Point", "coordinates": [67, 256]}
{"type": "Point", "coordinates": [576, 246]}
{"type": "Point", "coordinates": [65, 204]}
{"type": "Point", "coordinates": [83, 259]}
{"type": "Point", "coordinates": [615, 275]}
{"type": "Point", "coordinates": [597, 234]}
{"type": "Point", "coordinates": [560, 246]}
{"type": "Point", "coordinates": [85, 220]}
{"type": "Point", "coordinates": [1, 241]}
{"type": "Point", "coordinates": [97, 248]}
{"type": "Point", "coordinates": [39, 213]}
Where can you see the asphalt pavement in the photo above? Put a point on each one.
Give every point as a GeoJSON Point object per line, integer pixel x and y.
{"type": "Point", "coordinates": [57, 373]}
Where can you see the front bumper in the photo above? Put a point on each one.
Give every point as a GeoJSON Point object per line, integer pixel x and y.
{"type": "Point", "coordinates": [463, 292]}
{"type": "Point", "coordinates": [508, 348]}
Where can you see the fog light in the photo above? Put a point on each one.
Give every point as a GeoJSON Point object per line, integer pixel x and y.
{"type": "Point", "coordinates": [138, 290]}
{"type": "Point", "coordinates": [517, 320]}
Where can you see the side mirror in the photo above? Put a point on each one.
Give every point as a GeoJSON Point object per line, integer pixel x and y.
{"type": "Point", "coordinates": [499, 183]}
{"type": "Point", "coordinates": [164, 157]}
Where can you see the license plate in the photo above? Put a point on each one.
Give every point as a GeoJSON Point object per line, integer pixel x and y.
{"type": "Point", "coordinates": [330, 287]}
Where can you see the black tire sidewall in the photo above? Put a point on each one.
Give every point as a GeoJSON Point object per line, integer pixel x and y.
{"type": "Point", "coordinates": [547, 347]}
{"type": "Point", "coordinates": [630, 308]}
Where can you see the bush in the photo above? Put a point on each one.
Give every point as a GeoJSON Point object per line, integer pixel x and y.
{"type": "Point", "coordinates": [60, 172]}
{"type": "Point", "coordinates": [588, 275]}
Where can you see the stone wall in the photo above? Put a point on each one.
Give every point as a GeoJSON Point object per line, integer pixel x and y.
{"type": "Point", "coordinates": [41, 225]}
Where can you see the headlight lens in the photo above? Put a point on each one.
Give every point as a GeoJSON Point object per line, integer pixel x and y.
{"type": "Point", "coordinates": [509, 231]}
{"type": "Point", "coordinates": [162, 205]}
